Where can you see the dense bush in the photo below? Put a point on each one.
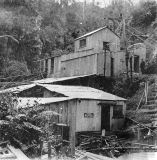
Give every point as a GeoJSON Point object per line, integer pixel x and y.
{"type": "Point", "coordinates": [24, 128]}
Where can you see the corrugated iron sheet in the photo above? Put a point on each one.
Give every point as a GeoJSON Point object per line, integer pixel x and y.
{"type": "Point", "coordinates": [17, 89]}
{"type": "Point", "coordinates": [82, 92]}
{"type": "Point", "coordinates": [29, 102]}
{"type": "Point", "coordinates": [52, 80]}
{"type": "Point", "coordinates": [70, 91]}
{"type": "Point", "coordinates": [85, 35]}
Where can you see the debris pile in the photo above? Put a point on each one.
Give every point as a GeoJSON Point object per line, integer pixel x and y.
{"type": "Point", "coordinates": [110, 146]}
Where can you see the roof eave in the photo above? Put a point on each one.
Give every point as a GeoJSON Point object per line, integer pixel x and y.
{"type": "Point", "coordinates": [83, 36]}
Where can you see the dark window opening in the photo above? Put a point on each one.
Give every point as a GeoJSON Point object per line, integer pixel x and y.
{"type": "Point", "coordinates": [136, 64]}
{"type": "Point", "coordinates": [105, 117]}
{"type": "Point", "coordinates": [46, 65]}
{"type": "Point", "coordinates": [106, 46]}
{"type": "Point", "coordinates": [82, 43]}
{"type": "Point", "coordinates": [112, 67]}
{"type": "Point", "coordinates": [64, 132]}
{"type": "Point", "coordinates": [118, 111]}
{"type": "Point", "coordinates": [52, 65]}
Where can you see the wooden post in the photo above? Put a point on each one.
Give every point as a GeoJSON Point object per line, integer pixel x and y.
{"type": "Point", "coordinates": [49, 150]}
{"type": "Point", "coordinates": [41, 148]}
{"type": "Point", "coordinates": [72, 123]}
{"type": "Point", "coordinates": [146, 91]}
{"type": "Point", "coordinates": [139, 134]}
{"type": "Point", "coordinates": [125, 45]}
{"type": "Point", "coordinates": [104, 68]}
{"type": "Point", "coordinates": [131, 69]}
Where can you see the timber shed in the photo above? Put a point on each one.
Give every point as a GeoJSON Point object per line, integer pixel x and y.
{"type": "Point", "coordinates": [96, 53]}
{"type": "Point", "coordinates": [93, 109]}
{"type": "Point", "coordinates": [82, 108]}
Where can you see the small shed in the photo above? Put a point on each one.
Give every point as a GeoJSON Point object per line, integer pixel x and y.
{"type": "Point", "coordinates": [101, 48]}
{"type": "Point", "coordinates": [94, 109]}
{"type": "Point", "coordinates": [82, 108]}
{"type": "Point", "coordinates": [84, 113]}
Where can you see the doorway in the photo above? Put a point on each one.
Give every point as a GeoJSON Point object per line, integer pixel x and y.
{"type": "Point", "coordinates": [112, 67]}
{"type": "Point", "coordinates": [136, 63]}
{"type": "Point", "coordinates": [105, 117]}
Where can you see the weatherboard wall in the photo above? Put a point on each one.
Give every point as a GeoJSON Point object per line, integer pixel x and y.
{"type": "Point", "coordinates": [88, 123]}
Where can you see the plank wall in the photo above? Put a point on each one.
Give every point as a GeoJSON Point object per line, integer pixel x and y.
{"type": "Point", "coordinates": [88, 124]}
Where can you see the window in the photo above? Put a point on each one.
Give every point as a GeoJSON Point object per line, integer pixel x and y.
{"type": "Point", "coordinates": [82, 43]}
{"type": "Point", "coordinates": [106, 46]}
{"type": "Point", "coordinates": [46, 66]}
{"type": "Point", "coordinates": [118, 111]}
{"type": "Point", "coordinates": [52, 65]}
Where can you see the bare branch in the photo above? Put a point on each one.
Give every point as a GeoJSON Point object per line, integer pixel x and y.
{"type": "Point", "coordinates": [10, 37]}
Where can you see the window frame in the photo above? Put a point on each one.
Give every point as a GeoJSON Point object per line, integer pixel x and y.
{"type": "Point", "coordinates": [82, 46]}
{"type": "Point", "coordinates": [118, 114]}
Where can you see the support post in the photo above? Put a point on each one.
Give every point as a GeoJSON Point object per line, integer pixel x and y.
{"type": "Point", "coordinates": [41, 148]}
{"type": "Point", "coordinates": [49, 150]}
{"type": "Point", "coordinates": [131, 70]}
{"type": "Point", "coordinates": [125, 45]}
{"type": "Point", "coordinates": [104, 67]}
{"type": "Point", "coordinates": [139, 134]}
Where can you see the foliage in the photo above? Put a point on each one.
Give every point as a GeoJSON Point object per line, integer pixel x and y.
{"type": "Point", "coordinates": [24, 128]}
{"type": "Point", "coordinates": [15, 68]}
{"type": "Point", "coordinates": [144, 14]}
{"type": "Point", "coordinates": [123, 88]}
{"type": "Point", "coordinates": [139, 117]}
{"type": "Point", "coordinates": [151, 67]}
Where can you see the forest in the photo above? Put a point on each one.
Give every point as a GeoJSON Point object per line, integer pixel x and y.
{"type": "Point", "coordinates": [32, 30]}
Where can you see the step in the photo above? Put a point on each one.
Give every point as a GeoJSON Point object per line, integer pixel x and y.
{"type": "Point", "coordinates": [151, 98]}
{"type": "Point", "coordinates": [153, 94]}
{"type": "Point", "coordinates": [152, 102]}
{"type": "Point", "coordinates": [154, 116]}
{"type": "Point", "coordinates": [154, 111]}
{"type": "Point", "coordinates": [154, 119]}
{"type": "Point", "coordinates": [149, 106]}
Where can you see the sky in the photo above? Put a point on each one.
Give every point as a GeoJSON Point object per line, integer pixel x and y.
{"type": "Point", "coordinates": [104, 3]}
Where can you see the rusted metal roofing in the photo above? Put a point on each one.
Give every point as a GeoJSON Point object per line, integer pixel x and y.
{"type": "Point", "coordinates": [90, 33]}
{"type": "Point", "coordinates": [30, 102]}
{"type": "Point", "coordinates": [53, 80]}
{"type": "Point", "coordinates": [82, 92]}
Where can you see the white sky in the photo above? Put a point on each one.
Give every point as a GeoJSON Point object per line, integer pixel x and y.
{"type": "Point", "coordinates": [104, 2]}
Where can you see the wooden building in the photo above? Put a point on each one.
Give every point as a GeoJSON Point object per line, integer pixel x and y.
{"type": "Point", "coordinates": [137, 52]}
{"type": "Point", "coordinates": [81, 108]}
{"type": "Point", "coordinates": [96, 53]}
{"type": "Point", "coordinates": [100, 104]}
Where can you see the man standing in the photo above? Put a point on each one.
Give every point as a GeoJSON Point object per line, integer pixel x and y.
{"type": "Point", "coordinates": [142, 66]}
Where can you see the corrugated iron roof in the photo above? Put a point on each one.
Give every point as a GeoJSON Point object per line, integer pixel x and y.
{"type": "Point", "coordinates": [70, 91]}
{"type": "Point", "coordinates": [82, 92]}
{"type": "Point", "coordinates": [17, 89]}
{"type": "Point", "coordinates": [30, 102]}
{"type": "Point", "coordinates": [52, 80]}
{"type": "Point", "coordinates": [90, 33]}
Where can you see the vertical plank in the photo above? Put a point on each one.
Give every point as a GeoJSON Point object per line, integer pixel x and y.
{"type": "Point", "coordinates": [72, 123]}
{"type": "Point", "coordinates": [111, 117]}
{"type": "Point", "coordinates": [49, 150]}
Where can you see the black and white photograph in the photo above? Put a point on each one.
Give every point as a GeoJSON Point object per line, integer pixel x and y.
{"type": "Point", "coordinates": [78, 79]}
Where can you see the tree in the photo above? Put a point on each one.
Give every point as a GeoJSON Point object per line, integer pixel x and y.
{"type": "Point", "coordinates": [144, 14]}
{"type": "Point", "coordinates": [25, 128]}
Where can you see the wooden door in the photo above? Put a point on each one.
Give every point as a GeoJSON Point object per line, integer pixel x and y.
{"type": "Point", "coordinates": [136, 64]}
{"type": "Point", "coordinates": [105, 117]}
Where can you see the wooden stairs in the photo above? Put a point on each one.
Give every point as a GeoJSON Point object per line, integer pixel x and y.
{"type": "Point", "coordinates": [150, 108]}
